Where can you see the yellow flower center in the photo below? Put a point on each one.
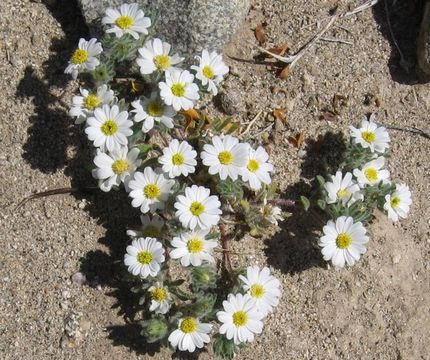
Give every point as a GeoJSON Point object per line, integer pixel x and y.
{"type": "Point", "coordinates": [197, 208]}
{"type": "Point", "coordinates": [371, 174]}
{"type": "Point", "coordinates": [159, 294]}
{"type": "Point", "coordinates": [343, 193]}
{"type": "Point", "coordinates": [155, 108]}
{"type": "Point", "coordinates": [110, 127]}
{"type": "Point", "coordinates": [195, 245]}
{"type": "Point", "coordinates": [145, 257]}
{"type": "Point", "coordinates": [125, 22]}
{"type": "Point", "coordinates": [178, 159]}
{"type": "Point", "coordinates": [368, 136]}
{"type": "Point", "coordinates": [343, 241]}
{"type": "Point", "coordinates": [92, 101]}
{"type": "Point", "coordinates": [253, 165]}
{"type": "Point", "coordinates": [80, 56]}
{"type": "Point", "coordinates": [119, 166]}
{"type": "Point", "coordinates": [152, 191]}
{"type": "Point", "coordinates": [257, 291]}
{"type": "Point", "coordinates": [240, 318]}
{"type": "Point", "coordinates": [151, 231]}
{"type": "Point", "coordinates": [208, 72]}
{"type": "Point", "coordinates": [395, 201]}
{"type": "Point", "coordinates": [225, 157]}
{"type": "Point", "coordinates": [189, 325]}
{"type": "Point", "coordinates": [162, 62]}
{"type": "Point", "coordinates": [178, 89]}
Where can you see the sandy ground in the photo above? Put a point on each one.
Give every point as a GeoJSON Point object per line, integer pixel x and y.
{"type": "Point", "coordinates": [379, 309]}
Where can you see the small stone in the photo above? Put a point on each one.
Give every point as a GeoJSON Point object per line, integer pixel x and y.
{"type": "Point", "coordinates": [396, 258]}
{"type": "Point", "coordinates": [79, 279]}
{"type": "Point", "coordinates": [230, 102]}
{"type": "Point", "coordinates": [82, 204]}
{"type": "Point", "coordinates": [65, 294]}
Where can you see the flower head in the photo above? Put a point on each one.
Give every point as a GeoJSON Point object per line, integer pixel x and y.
{"type": "Point", "coordinates": [149, 190]}
{"type": "Point", "coordinates": [84, 105]}
{"type": "Point", "coordinates": [160, 298]}
{"type": "Point", "coordinates": [190, 334]}
{"type": "Point", "coordinates": [152, 110]}
{"type": "Point", "coordinates": [151, 227]}
{"type": "Point", "coordinates": [257, 169]}
{"type": "Point", "coordinates": [144, 257]}
{"type": "Point", "coordinates": [109, 128]}
{"type": "Point", "coordinates": [211, 70]}
{"type": "Point", "coordinates": [116, 167]}
{"type": "Point", "coordinates": [398, 203]}
{"type": "Point", "coordinates": [192, 248]}
{"type": "Point", "coordinates": [198, 209]}
{"type": "Point", "coordinates": [343, 241]}
{"type": "Point", "coordinates": [225, 156]}
{"type": "Point", "coordinates": [343, 189]}
{"type": "Point", "coordinates": [155, 55]}
{"type": "Point", "coordinates": [84, 58]}
{"type": "Point", "coordinates": [127, 19]}
{"type": "Point", "coordinates": [178, 159]}
{"type": "Point", "coordinates": [273, 214]}
{"type": "Point", "coordinates": [372, 172]}
{"type": "Point", "coordinates": [179, 90]}
{"type": "Point", "coordinates": [240, 318]}
{"type": "Point", "coordinates": [264, 288]}
{"type": "Point", "coordinates": [369, 135]}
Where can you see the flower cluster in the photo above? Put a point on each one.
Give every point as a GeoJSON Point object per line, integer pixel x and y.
{"type": "Point", "coordinates": [350, 196]}
{"type": "Point", "coordinates": [190, 183]}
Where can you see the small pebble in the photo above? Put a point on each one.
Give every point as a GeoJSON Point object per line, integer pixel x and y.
{"type": "Point", "coordinates": [79, 279]}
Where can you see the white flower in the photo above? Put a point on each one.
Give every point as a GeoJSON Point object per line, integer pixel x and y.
{"type": "Point", "coordinates": [225, 156]}
{"type": "Point", "coordinates": [116, 168]}
{"type": "Point", "coordinates": [84, 106]}
{"type": "Point", "coordinates": [264, 288]}
{"type": "Point", "coordinates": [372, 173]}
{"type": "Point", "coordinates": [152, 110]}
{"type": "Point", "coordinates": [271, 213]}
{"type": "Point", "coordinates": [178, 159]}
{"type": "Point", "coordinates": [240, 318]}
{"type": "Point", "coordinates": [343, 189]}
{"type": "Point", "coordinates": [84, 57]}
{"type": "Point", "coordinates": [179, 89]}
{"type": "Point", "coordinates": [343, 241]}
{"type": "Point", "coordinates": [397, 204]}
{"type": "Point", "coordinates": [127, 19]}
{"type": "Point", "coordinates": [160, 298]}
{"type": "Point", "coordinates": [144, 257]}
{"type": "Point", "coordinates": [211, 70]}
{"type": "Point", "coordinates": [190, 334]}
{"type": "Point", "coordinates": [192, 248]}
{"type": "Point", "coordinates": [109, 128]}
{"type": "Point", "coordinates": [257, 168]}
{"type": "Point", "coordinates": [154, 55]}
{"type": "Point", "coordinates": [197, 208]}
{"type": "Point", "coordinates": [371, 136]}
{"type": "Point", "coordinates": [151, 227]}
{"type": "Point", "coordinates": [149, 190]}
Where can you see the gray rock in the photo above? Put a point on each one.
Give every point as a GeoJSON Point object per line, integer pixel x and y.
{"type": "Point", "coordinates": [423, 44]}
{"type": "Point", "coordinates": [230, 102]}
{"type": "Point", "coordinates": [190, 25]}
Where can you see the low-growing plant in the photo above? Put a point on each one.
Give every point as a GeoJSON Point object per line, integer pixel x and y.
{"type": "Point", "coordinates": [194, 181]}
{"type": "Point", "coordinates": [350, 197]}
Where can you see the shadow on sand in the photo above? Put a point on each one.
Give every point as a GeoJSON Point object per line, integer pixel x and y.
{"type": "Point", "coordinates": [405, 18]}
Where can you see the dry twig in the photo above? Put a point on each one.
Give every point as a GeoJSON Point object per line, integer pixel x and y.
{"type": "Point", "coordinates": [292, 59]}
{"type": "Point", "coordinates": [251, 123]}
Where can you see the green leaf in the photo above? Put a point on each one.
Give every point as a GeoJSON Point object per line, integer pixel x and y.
{"type": "Point", "coordinates": [305, 202]}
{"type": "Point", "coordinates": [321, 204]}
{"type": "Point", "coordinates": [230, 189]}
{"type": "Point", "coordinates": [320, 180]}
{"type": "Point", "coordinates": [144, 149]}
